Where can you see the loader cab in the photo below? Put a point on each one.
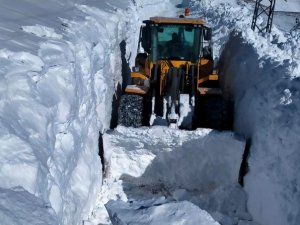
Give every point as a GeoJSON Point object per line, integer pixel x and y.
{"type": "Point", "coordinates": [176, 40]}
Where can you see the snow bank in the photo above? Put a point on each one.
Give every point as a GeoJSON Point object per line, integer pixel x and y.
{"type": "Point", "coordinates": [262, 75]}
{"type": "Point", "coordinates": [48, 117]}
{"type": "Point", "coordinates": [267, 111]}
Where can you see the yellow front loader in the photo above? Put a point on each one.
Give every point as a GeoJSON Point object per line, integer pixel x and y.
{"type": "Point", "coordinates": [174, 81]}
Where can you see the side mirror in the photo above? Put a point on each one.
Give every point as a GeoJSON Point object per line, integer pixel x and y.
{"type": "Point", "coordinates": [207, 34]}
{"type": "Point", "coordinates": [146, 38]}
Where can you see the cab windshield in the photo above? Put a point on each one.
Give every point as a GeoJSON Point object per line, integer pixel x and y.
{"type": "Point", "coordinates": [176, 42]}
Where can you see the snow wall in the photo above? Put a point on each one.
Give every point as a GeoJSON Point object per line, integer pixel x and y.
{"type": "Point", "coordinates": [266, 110]}
{"type": "Point", "coordinates": [262, 75]}
{"type": "Point", "coordinates": [60, 65]}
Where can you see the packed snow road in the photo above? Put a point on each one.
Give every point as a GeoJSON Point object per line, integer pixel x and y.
{"type": "Point", "coordinates": [173, 172]}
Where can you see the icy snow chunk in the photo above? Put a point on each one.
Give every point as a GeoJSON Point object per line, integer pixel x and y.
{"type": "Point", "coordinates": [136, 161]}
{"type": "Point", "coordinates": [286, 99]}
{"type": "Point", "coordinates": [42, 31]}
{"type": "Point", "coordinates": [173, 213]}
{"type": "Point", "coordinates": [186, 111]}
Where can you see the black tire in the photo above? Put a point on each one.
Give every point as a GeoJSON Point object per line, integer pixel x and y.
{"type": "Point", "coordinates": [214, 112]}
{"type": "Point", "coordinates": [131, 111]}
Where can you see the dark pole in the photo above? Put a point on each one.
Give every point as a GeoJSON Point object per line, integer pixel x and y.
{"type": "Point", "coordinates": [264, 11]}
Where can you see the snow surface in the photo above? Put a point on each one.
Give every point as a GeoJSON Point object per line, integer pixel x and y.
{"type": "Point", "coordinates": [147, 165]}
{"type": "Point", "coordinates": [61, 62]}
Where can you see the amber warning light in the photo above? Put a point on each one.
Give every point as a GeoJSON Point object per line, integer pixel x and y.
{"type": "Point", "coordinates": [187, 12]}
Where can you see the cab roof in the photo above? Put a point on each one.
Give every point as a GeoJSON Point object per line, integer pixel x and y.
{"type": "Point", "coordinates": [170, 20]}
